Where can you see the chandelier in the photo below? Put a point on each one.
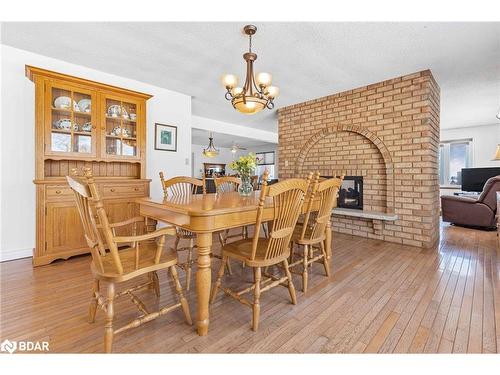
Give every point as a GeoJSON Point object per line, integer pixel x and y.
{"type": "Point", "coordinates": [210, 151]}
{"type": "Point", "coordinates": [257, 92]}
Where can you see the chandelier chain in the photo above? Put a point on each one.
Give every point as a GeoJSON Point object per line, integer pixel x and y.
{"type": "Point", "coordinates": [250, 43]}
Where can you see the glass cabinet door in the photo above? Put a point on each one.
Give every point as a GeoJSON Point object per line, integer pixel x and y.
{"type": "Point", "coordinates": [121, 128]}
{"type": "Point", "coordinates": [70, 121]}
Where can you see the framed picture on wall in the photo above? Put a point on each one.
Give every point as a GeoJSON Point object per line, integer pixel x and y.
{"type": "Point", "coordinates": [165, 137]}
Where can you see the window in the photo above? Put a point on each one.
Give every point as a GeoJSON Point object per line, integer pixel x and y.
{"type": "Point", "coordinates": [265, 160]}
{"type": "Point", "coordinates": [453, 156]}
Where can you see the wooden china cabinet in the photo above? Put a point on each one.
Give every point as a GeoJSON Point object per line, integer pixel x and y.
{"type": "Point", "coordinates": [81, 123]}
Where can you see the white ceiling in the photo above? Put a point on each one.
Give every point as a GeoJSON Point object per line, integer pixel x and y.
{"type": "Point", "coordinates": [200, 137]}
{"type": "Point", "coordinates": [307, 60]}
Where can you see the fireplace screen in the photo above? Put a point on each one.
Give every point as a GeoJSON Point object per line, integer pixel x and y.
{"type": "Point", "coordinates": [351, 193]}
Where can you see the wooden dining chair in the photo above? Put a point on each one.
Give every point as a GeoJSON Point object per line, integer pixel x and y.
{"type": "Point", "coordinates": [254, 180]}
{"type": "Point", "coordinates": [226, 185]}
{"type": "Point", "coordinates": [183, 187]}
{"type": "Point", "coordinates": [141, 255]}
{"type": "Point", "coordinates": [287, 198]}
{"type": "Point", "coordinates": [310, 234]}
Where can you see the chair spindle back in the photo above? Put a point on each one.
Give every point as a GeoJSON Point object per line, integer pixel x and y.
{"type": "Point", "coordinates": [181, 186]}
{"type": "Point", "coordinates": [288, 197]}
{"type": "Point", "coordinates": [90, 208]}
{"type": "Point", "coordinates": [326, 192]}
{"type": "Point", "coordinates": [227, 184]}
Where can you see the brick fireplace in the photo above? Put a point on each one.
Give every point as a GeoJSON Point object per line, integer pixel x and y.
{"type": "Point", "coordinates": [387, 133]}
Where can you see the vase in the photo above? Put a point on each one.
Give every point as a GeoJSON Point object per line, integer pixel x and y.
{"type": "Point", "coordinates": [245, 188]}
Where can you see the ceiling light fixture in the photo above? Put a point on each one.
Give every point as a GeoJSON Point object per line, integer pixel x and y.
{"type": "Point", "coordinates": [257, 92]}
{"type": "Point", "coordinates": [210, 151]}
{"type": "Point", "coordinates": [235, 148]}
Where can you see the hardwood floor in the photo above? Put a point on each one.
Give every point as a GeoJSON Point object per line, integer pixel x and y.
{"type": "Point", "coordinates": [381, 298]}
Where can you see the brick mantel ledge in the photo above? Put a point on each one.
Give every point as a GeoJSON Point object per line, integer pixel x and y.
{"type": "Point", "coordinates": [365, 214]}
{"type": "Point", "coordinates": [378, 218]}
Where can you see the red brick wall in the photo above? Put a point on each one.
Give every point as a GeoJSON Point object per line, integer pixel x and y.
{"type": "Point", "coordinates": [387, 132]}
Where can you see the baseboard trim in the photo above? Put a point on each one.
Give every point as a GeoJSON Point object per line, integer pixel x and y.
{"type": "Point", "coordinates": [13, 254]}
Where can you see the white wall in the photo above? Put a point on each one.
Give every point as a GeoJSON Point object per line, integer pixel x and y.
{"type": "Point", "coordinates": [228, 128]}
{"type": "Point", "coordinates": [484, 142]}
{"type": "Point", "coordinates": [17, 200]}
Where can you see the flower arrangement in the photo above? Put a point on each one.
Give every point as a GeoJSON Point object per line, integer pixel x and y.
{"type": "Point", "coordinates": [245, 165]}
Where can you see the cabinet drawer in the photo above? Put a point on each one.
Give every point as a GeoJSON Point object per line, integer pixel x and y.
{"type": "Point", "coordinates": [59, 192]}
{"type": "Point", "coordinates": [123, 190]}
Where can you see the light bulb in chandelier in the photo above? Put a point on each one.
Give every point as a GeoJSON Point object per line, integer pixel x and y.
{"type": "Point", "coordinates": [236, 91]}
{"type": "Point", "coordinates": [229, 81]}
{"type": "Point", "coordinates": [264, 79]}
{"type": "Point", "coordinates": [272, 91]}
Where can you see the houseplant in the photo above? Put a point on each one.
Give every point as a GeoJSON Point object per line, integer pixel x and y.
{"type": "Point", "coordinates": [245, 166]}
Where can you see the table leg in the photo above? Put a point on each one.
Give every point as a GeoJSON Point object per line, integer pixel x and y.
{"type": "Point", "coordinates": [328, 239]}
{"type": "Point", "coordinates": [203, 281]}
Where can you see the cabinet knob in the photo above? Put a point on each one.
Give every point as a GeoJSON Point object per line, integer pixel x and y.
{"type": "Point", "coordinates": [112, 190]}
{"type": "Point", "coordinates": [136, 189]}
{"type": "Point", "coordinates": [58, 191]}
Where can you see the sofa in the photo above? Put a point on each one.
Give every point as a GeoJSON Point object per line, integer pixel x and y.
{"type": "Point", "coordinates": [473, 212]}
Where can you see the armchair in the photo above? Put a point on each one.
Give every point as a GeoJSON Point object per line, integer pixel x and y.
{"type": "Point", "coordinates": [141, 255]}
{"type": "Point", "coordinates": [478, 212]}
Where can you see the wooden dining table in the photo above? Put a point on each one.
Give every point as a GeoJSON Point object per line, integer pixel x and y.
{"type": "Point", "coordinates": [205, 214]}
